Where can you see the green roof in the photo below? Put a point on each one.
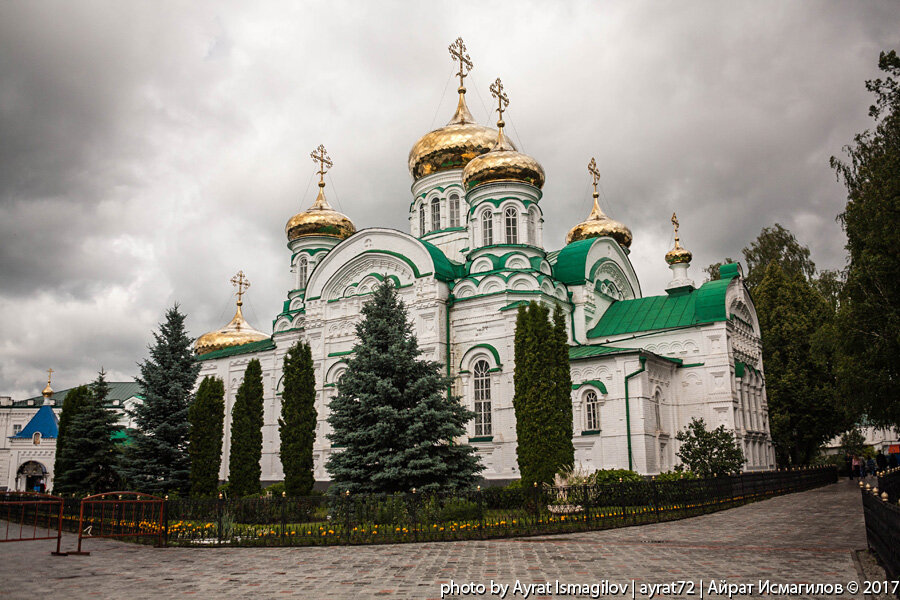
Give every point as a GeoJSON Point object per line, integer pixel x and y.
{"type": "Point", "coordinates": [118, 390]}
{"type": "Point", "coordinates": [444, 268]}
{"type": "Point", "coordinates": [259, 346]}
{"type": "Point", "coordinates": [576, 352]}
{"type": "Point", "coordinates": [569, 267]}
{"type": "Point", "coordinates": [689, 307]}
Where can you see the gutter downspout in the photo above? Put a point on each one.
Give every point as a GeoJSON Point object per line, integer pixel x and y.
{"type": "Point", "coordinates": [643, 360]}
{"type": "Point", "coordinates": [450, 299]}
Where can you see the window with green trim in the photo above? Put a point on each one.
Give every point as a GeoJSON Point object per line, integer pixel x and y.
{"type": "Point", "coordinates": [302, 267]}
{"type": "Point", "coordinates": [454, 210]}
{"type": "Point", "coordinates": [591, 411]}
{"type": "Point", "coordinates": [482, 398]}
{"type": "Point", "coordinates": [512, 225]}
{"type": "Point", "coordinates": [422, 219]}
{"type": "Point", "coordinates": [487, 228]}
{"type": "Point", "coordinates": [435, 214]}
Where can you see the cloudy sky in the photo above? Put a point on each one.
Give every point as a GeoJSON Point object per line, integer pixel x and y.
{"type": "Point", "coordinates": [150, 150]}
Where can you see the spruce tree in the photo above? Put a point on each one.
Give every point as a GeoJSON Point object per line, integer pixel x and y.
{"type": "Point", "coordinates": [157, 461]}
{"type": "Point", "coordinates": [63, 482]}
{"type": "Point", "coordinates": [244, 470]}
{"type": "Point", "coordinates": [90, 443]}
{"type": "Point", "coordinates": [297, 425]}
{"type": "Point", "coordinates": [393, 415]}
{"type": "Point", "coordinates": [542, 397]}
{"type": "Point", "coordinates": [207, 416]}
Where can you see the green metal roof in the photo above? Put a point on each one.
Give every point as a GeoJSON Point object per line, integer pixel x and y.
{"type": "Point", "coordinates": [259, 346]}
{"type": "Point", "coordinates": [569, 267]}
{"type": "Point", "coordinates": [444, 268]}
{"type": "Point", "coordinates": [576, 352]}
{"type": "Point", "coordinates": [688, 307]}
{"type": "Point", "coordinates": [118, 390]}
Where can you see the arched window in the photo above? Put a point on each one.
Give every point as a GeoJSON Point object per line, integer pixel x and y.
{"type": "Point", "coordinates": [591, 411]}
{"type": "Point", "coordinates": [302, 267]}
{"type": "Point", "coordinates": [482, 398]}
{"type": "Point", "coordinates": [36, 438]}
{"type": "Point", "coordinates": [435, 214]}
{"type": "Point", "coordinates": [532, 228]}
{"type": "Point", "coordinates": [656, 414]}
{"type": "Point", "coordinates": [487, 228]}
{"type": "Point", "coordinates": [422, 220]}
{"type": "Point", "coordinates": [454, 210]}
{"type": "Point", "coordinates": [512, 226]}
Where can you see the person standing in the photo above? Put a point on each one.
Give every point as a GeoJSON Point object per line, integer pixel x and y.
{"type": "Point", "coordinates": [856, 465]}
{"type": "Point", "coordinates": [849, 461]}
{"type": "Point", "coordinates": [881, 461]}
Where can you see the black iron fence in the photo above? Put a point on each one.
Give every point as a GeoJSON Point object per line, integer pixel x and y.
{"type": "Point", "coordinates": [480, 514]}
{"type": "Point", "coordinates": [882, 515]}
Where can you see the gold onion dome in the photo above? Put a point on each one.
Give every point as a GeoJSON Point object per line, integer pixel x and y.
{"type": "Point", "coordinates": [598, 224]}
{"type": "Point", "coordinates": [237, 333]}
{"type": "Point", "coordinates": [320, 218]}
{"type": "Point", "coordinates": [48, 391]}
{"type": "Point", "coordinates": [503, 162]}
{"type": "Point", "coordinates": [678, 255]}
{"type": "Point", "coordinates": [451, 146]}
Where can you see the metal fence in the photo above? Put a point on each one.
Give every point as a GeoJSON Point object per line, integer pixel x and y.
{"type": "Point", "coordinates": [479, 514]}
{"type": "Point", "coordinates": [26, 516]}
{"type": "Point", "coordinates": [882, 515]}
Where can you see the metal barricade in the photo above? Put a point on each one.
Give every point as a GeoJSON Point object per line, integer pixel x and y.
{"type": "Point", "coordinates": [26, 516]}
{"type": "Point", "coordinates": [119, 515]}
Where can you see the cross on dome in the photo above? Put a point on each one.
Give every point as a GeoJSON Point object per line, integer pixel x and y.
{"type": "Point", "coordinates": [595, 174]}
{"type": "Point", "coordinates": [241, 283]}
{"type": "Point", "coordinates": [502, 99]}
{"type": "Point", "coordinates": [320, 155]}
{"type": "Point", "coordinates": [458, 52]}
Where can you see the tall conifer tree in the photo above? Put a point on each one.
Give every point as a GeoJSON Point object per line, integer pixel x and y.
{"type": "Point", "coordinates": [392, 414]}
{"type": "Point", "coordinates": [157, 461]}
{"type": "Point", "coordinates": [65, 461]}
{"type": "Point", "coordinates": [244, 470]}
{"type": "Point", "coordinates": [90, 443]}
{"type": "Point", "coordinates": [542, 395]}
{"type": "Point", "coordinates": [297, 425]}
{"type": "Point", "coordinates": [207, 416]}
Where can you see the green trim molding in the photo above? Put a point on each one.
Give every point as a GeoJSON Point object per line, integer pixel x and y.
{"type": "Point", "coordinates": [487, 347]}
{"type": "Point", "coordinates": [594, 382]}
{"type": "Point", "coordinates": [483, 438]}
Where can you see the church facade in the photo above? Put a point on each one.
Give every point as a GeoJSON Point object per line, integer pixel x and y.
{"type": "Point", "coordinates": [641, 367]}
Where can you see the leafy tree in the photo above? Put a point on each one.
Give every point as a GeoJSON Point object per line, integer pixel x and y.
{"type": "Point", "coordinates": [207, 417]}
{"type": "Point", "coordinates": [542, 399]}
{"type": "Point", "coordinates": [708, 453]}
{"type": "Point", "coordinates": [712, 271]}
{"type": "Point", "coordinates": [90, 442]}
{"type": "Point", "coordinates": [869, 317]}
{"type": "Point", "coordinates": [66, 460]}
{"type": "Point", "coordinates": [804, 411]}
{"type": "Point", "coordinates": [157, 461]}
{"type": "Point", "coordinates": [853, 442]}
{"type": "Point", "coordinates": [776, 244]}
{"type": "Point", "coordinates": [393, 414]}
{"type": "Point", "coordinates": [297, 425]}
{"type": "Point", "coordinates": [244, 470]}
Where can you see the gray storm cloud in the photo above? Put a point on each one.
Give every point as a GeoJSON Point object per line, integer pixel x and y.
{"type": "Point", "coordinates": [148, 152]}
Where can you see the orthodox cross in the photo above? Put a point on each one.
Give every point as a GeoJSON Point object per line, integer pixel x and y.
{"type": "Point", "coordinates": [241, 283]}
{"type": "Point", "coordinates": [502, 100]}
{"type": "Point", "coordinates": [49, 373]}
{"type": "Point", "coordinates": [595, 174]}
{"type": "Point", "coordinates": [320, 155]}
{"type": "Point", "coordinates": [675, 223]}
{"type": "Point", "coordinates": [458, 52]}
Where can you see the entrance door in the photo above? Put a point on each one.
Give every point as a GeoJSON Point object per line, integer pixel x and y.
{"type": "Point", "coordinates": [33, 473]}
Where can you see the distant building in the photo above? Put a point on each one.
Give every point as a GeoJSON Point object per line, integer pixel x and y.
{"type": "Point", "coordinates": [28, 432]}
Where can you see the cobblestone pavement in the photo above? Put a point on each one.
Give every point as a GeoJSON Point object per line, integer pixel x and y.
{"type": "Point", "coordinates": [800, 538]}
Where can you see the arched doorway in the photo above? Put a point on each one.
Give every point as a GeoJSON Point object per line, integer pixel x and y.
{"type": "Point", "coordinates": [33, 475]}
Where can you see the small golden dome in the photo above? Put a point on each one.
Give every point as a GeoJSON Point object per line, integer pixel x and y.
{"type": "Point", "coordinates": [599, 225]}
{"type": "Point", "coordinates": [503, 163]}
{"type": "Point", "coordinates": [678, 255]}
{"type": "Point", "coordinates": [320, 219]}
{"type": "Point", "coordinates": [48, 391]}
{"type": "Point", "coordinates": [237, 333]}
{"type": "Point", "coordinates": [451, 146]}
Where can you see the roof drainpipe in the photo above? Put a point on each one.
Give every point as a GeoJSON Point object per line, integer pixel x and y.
{"type": "Point", "coordinates": [450, 299]}
{"type": "Point", "coordinates": [643, 360]}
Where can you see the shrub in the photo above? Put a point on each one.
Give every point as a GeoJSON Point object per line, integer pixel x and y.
{"type": "Point", "coordinates": [676, 476]}
{"type": "Point", "coordinates": [275, 489]}
{"type": "Point", "coordinates": [604, 476]}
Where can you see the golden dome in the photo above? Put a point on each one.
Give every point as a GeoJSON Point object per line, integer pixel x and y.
{"type": "Point", "coordinates": [320, 219]}
{"type": "Point", "coordinates": [599, 225]}
{"type": "Point", "coordinates": [678, 255]}
{"type": "Point", "coordinates": [451, 146]}
{"type": "Point", "coordinates": [237, 333]}
{"type": "Point", "coordinates": [503, 163]}
{"type": "Point", "coordinates": [47, 392]}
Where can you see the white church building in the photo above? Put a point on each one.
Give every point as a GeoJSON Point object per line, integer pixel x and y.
{"type": "Point", "coordinates": [641, 367]}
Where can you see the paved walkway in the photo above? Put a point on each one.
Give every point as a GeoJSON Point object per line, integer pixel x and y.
{"type": "Point", "coordinates": [799, 538]}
